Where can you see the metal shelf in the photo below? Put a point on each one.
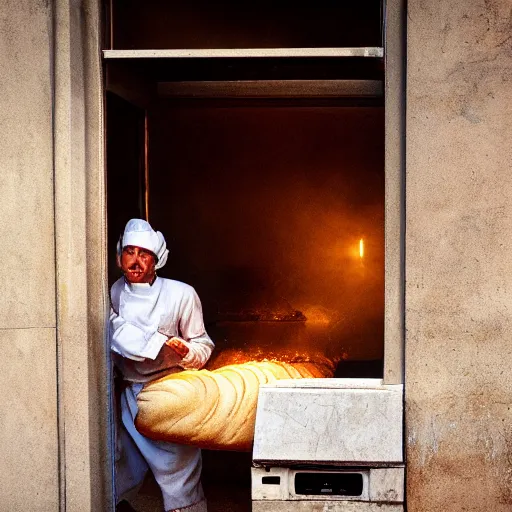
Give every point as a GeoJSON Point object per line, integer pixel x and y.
{"type": "Point", "coordinates": [271, 89]}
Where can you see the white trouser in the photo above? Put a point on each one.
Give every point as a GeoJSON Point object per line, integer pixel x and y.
{"type": "Point", "coordinates": [176, 468]}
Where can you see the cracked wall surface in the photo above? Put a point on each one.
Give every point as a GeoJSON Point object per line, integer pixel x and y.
{"type": "Point", "coordinates": [458, 256]}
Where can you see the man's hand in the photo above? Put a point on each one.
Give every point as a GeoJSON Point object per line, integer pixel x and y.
{"type": "Point", "coordinates": [178, 346]}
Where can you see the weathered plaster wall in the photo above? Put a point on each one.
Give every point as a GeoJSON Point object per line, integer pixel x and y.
{"type": "Point", "coordinates": [459, 256]}
{"type": "Point", "coordinates": [28, 422]}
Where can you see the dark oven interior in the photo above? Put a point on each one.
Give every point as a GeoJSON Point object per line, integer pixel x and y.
{"type": "Point", "coordinates": [266, 208]}
{"type": "Point", "coordinates": [263, 197]}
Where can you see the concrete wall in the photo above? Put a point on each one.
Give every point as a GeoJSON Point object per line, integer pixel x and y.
{"type": "Point", "coordinates": [53, 434]}
{"type": "Point", "coordinates": [28, 424]}
{"type": "Point", "coordinates": [458, 256]}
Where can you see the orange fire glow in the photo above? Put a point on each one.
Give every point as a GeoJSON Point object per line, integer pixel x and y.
{"type": "Point", "coordinates": [361, 248]}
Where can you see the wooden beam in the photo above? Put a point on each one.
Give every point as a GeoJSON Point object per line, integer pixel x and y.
{"type": "Point", "coordinates": [375, 52]}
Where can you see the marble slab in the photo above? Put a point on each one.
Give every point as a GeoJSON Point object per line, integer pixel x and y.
{"type": "Point", "coordinates": [340, 425]}
{"type": "Point", "coordinates": [387, 485]}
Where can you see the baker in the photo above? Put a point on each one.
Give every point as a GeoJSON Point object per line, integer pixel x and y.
{"type": "Point", "coordinates": [156, 328]}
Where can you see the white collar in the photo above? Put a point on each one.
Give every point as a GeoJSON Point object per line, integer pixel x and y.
{"type": "Point", "coordinates": [143, 289]}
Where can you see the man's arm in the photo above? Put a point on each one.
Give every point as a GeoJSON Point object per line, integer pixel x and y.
{"type": "Point", "coordinates": [196, 346]}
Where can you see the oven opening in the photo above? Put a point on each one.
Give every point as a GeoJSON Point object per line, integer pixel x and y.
{"type": "Point", "coordinates": [266, 176]}
{"type": "Point", "coordinates": [275, 214]}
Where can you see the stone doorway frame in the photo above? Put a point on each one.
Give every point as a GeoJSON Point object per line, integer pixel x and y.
{"type": "Point", "coordinates": [83, 364]}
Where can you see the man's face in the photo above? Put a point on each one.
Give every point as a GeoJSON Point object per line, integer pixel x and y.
{"type": "Point", "coordinates": [137, 264]}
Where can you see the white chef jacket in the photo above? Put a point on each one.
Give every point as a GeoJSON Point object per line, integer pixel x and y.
{"type": "Point", "coordinates": [142, 318]}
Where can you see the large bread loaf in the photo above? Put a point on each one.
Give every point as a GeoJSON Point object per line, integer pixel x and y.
{"type": "Point", "coordinates": [213, 409]}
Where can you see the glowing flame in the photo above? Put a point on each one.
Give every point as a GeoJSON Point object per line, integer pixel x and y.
{"type": "Point", "coordinates": [361, 248]}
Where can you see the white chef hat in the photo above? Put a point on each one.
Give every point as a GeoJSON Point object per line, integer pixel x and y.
{"type": "Point", "coordinates": [139, 233]}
